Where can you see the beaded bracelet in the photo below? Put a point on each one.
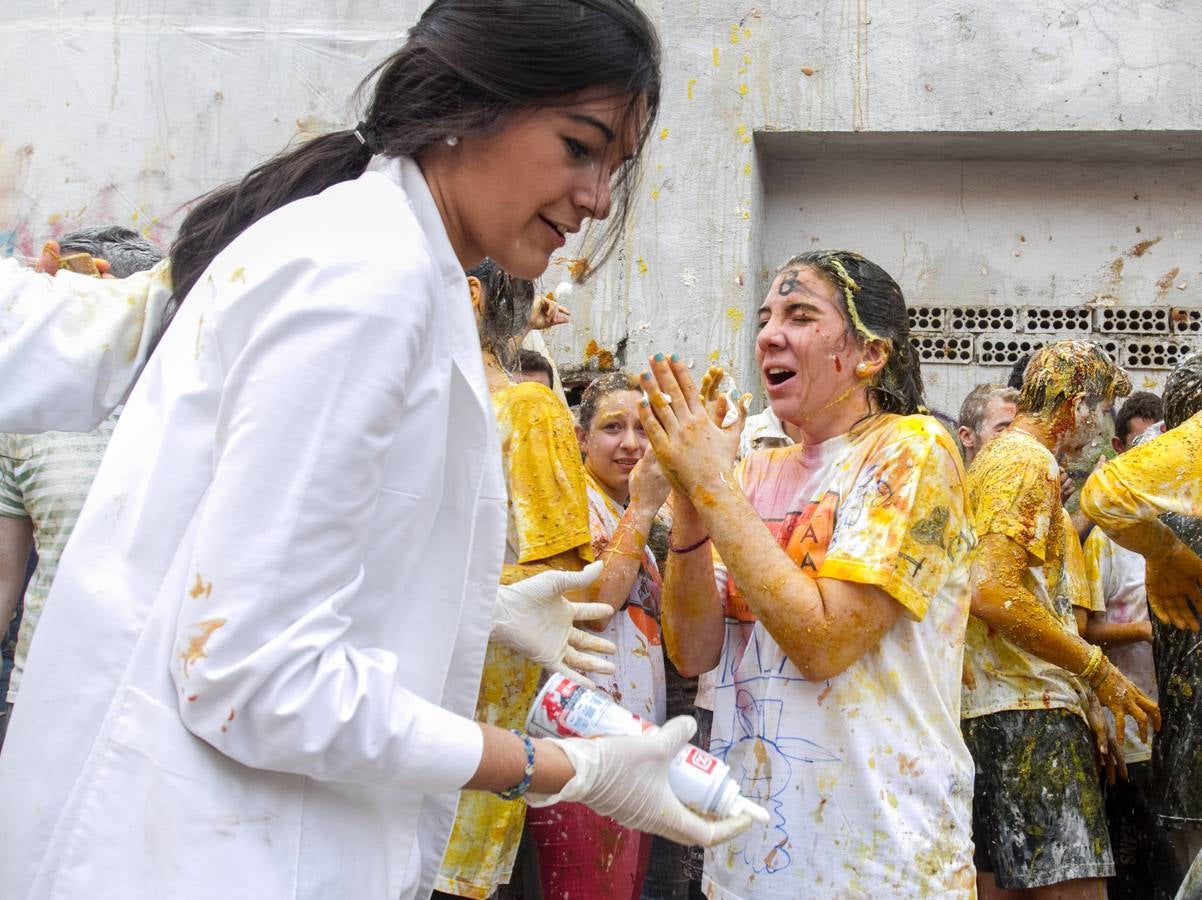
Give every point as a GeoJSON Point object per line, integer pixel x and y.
{"type": "Point", "coordinates": [524, 785]}
{"type": "Point", "coordinates": [690, 548]}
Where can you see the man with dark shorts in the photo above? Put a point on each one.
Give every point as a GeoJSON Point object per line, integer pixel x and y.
{"type": "Point", "coordinates": [1038, 814]}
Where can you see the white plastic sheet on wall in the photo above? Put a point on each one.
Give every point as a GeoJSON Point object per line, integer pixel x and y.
{"type": "Point", "coordinates": [122, 112]}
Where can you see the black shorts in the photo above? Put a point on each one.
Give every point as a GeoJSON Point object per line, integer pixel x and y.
{"type": "Point", "coordinates": [1038, 816]}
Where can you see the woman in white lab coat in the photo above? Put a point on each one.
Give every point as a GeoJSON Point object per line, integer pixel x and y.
{"type": "Point", "coordinates": [252, 675]}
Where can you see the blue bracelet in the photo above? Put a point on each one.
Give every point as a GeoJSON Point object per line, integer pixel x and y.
{"type": "Point", "coordinates": [524, 785]}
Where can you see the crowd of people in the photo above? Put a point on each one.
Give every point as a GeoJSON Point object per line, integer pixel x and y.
{"type": "Point", "coordinates": [293, 530]}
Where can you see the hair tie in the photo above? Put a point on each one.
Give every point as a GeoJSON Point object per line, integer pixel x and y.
{"type": "Point", "coordinates": [364, 135]}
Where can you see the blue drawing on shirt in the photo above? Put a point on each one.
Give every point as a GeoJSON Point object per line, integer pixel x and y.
{"type": "Point", "coordinates": [761, 758]}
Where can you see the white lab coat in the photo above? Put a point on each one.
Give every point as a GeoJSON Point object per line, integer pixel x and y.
{"type": "Point", "coordinates": [277, 599]}
{"type": "Point", "coordinates": [71, 346]}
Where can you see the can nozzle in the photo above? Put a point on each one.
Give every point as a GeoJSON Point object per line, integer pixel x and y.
{"type": "Point", "coordinates": [754, 811]}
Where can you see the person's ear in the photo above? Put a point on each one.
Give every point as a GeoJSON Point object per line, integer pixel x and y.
{"type": "Point", "coordinates": [968, 437]}
{"type": "Point", "coordinates": [875, 355]}
{"type": "Point", "coordinates": [477, 291]}
{"type": "Point", "coordinates": [1118, 444]}
{"type": "Point", "coordinates": [582, 440]}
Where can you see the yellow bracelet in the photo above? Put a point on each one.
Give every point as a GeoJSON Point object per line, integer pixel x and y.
{"type": "Point", "coordinates": [614, 550]}
{"type": "Point", "coordinates": [1092, 666]}
{"type": "Point", "coordinates": [626, 526]}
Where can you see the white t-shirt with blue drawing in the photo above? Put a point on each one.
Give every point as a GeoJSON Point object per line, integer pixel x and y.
{"type": "Point", "coordinates": [866, 776]}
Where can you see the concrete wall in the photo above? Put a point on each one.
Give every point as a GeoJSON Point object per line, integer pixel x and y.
{"type": "Point", "coordinates": [782, 122]}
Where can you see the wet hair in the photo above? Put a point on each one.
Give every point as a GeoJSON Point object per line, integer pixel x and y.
{"type": "Point", "coordinates": [598, 390]}
{"type": "Point", "coordinates": [465, 67]}
{"type": "Point", "coordinates": [530, 361]}
{"type": "Point", "coordinates": [1061, 371]}
{"type": "Point", "coordinates": [876, 310]}
{"type": "Point", "coordinates": [124, 249]}
{"type": "Point", "coordinates": [1140, 405]}
{"type": "Point", "coordinates": [972, 410]}
{"type": "Point", "coordinates": [1183, 390]}
{"type": "Point", "coordinates": [504, 311]}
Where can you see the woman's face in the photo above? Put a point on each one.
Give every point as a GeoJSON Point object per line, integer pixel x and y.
{"type": "Point", "coordinates": [515, 194]}
{"type": "Point", "coordinates": [806, 352]}
{"type": "Point", "coordinates": [615, 442]}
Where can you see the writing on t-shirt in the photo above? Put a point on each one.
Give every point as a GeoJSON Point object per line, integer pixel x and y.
{"type": "Point", "coordinates": [805, 534]}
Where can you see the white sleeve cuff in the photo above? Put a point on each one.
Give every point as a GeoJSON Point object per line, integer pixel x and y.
{"type": "Point", "coordinates": [446, 749]}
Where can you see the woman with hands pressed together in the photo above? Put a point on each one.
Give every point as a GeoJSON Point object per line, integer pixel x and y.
{"type": "Point", "coordinates": [834, 601]}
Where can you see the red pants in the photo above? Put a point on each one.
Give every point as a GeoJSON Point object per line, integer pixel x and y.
{"type": "Point", "coordinates": [586, 856]}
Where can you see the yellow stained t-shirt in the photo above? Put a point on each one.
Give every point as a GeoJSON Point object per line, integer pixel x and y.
{"type": "Point", "coordinates": [1074, 580]}
{"type": "Point", "coordinates": [1162, 476]}
{"type": "Point", "coordinates": [1013, 488]}
{"type": "Point", "coordinates": [548, 516]}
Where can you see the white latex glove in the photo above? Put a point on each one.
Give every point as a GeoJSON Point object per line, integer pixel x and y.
{"type": "Point", "coordinates": [535, 619]}
{"type": "Point", "coordinates": [626, 778]}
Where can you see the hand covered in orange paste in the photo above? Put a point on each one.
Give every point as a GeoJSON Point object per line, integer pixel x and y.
{"type": "Point", "coordinates": [1172, 582]}
{"type": "Point", "coordinates": [51, 255]}
{"type": "Point", "coordinates": [692, 449]}
{"type": "Point", "coordinates": [649, 486]}
{"type": "Point", "coordinates": [546, 313]}
{"type": "Point", "coordinates": [1108, 753]}
{"type": "Point", "coordinates": [1123, 698]}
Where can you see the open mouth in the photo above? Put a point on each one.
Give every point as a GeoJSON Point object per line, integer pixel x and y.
{"type": "Point", "coordinates": [558, 230]}
{"type": "Point", "coordinates": [776, 375]}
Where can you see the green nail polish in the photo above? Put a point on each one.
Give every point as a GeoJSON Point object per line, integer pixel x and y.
{"type": "Point", "coordinates": [675, 358]}
{"type": "Point", "coordinates": [659, 357]}
{"type": "Point", "coordinates": [646, 376]}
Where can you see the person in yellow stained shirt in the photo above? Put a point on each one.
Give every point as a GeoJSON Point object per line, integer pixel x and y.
{"type": "Point", "coordinates": [1149, 501]}
{"type": "Point", "coordinates": [1037, 811]}
{"type": "Point", "coordinates": [1122, 627]}
{"type": "Point", "coordinates": [548, 529]}
{"type": "Point", "coordinates": [1127, 496]}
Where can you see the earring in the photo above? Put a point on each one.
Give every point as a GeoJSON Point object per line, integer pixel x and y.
{"type": "Point", "coordinates": [862, 369]}
{"type": "Point", "coordinates": [452, 140]}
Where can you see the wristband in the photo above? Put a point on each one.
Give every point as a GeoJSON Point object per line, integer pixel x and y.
{"type": "Point", "coordinates": [690, 548]}
{"type": "Point", "coordinates": [524, 785]}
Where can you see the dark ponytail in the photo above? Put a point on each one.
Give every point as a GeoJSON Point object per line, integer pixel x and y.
{"type": "Point", "coordinates": [465, 66]}
{"type": "Point", "coordinates": [228, 211]}
{"type": "Point", "coordinates": [875, 308]}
